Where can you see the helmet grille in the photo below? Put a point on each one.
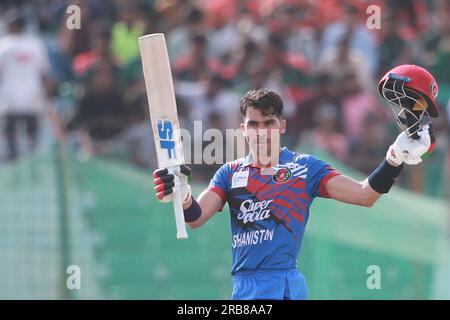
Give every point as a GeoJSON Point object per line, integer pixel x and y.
{"type": "Point", "coordinates": [409, 106]}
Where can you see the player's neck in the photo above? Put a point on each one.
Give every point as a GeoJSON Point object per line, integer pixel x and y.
{"type": "Point", "coordinates": [267, 161]}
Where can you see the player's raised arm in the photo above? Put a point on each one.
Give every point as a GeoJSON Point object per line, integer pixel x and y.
{"type": "Point", "coordinates": [411, 93]}
{"type": "Point", "coordinates": [366, 193]}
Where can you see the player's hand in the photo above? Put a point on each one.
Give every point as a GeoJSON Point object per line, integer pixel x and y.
{"type": "Point", "coordinates": [168, 182]}
{"type": "Point", "coordinates": [408, 150]}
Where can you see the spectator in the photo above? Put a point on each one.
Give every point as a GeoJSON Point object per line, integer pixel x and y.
{"type": "Point", "coordinates": [325, 134]}
{"type": "Point", "coordinates": [361, 39]}
{"type": "Point", "coordinates": [326, 94]}
{"type": "Point", "coordinates": [411, 15]}
{"type": "Point", "coordinates": [101, 115]}
{"type": "Point", "coordinates": [343, 60]}
{"type": "Point", "coordinates": [134, 141]}
{"type": "Point", "coordinates": [246, 60]}
{"type": "Point", "coordinates": [370, 146]}
{"type": "Point", "coordinates": [72, 42]}
{"type": "Point", "coordinates": [437, 52]}
{"type": "Point", "coordinates": [393, 47]}
{"type": "Point", "coordinates": [249, 27]}
{"type": "Point", "coordinates": [301, 38]}
{"type": "Point", "coordinates": [100, 50]}
{"type": "Point", "coordinates": [178, 39]}
{"type": "Point", "coordinates": [125, 33]}
{"type": "Point", "coordinates": [356, 104]}
{"type": "Point", "coordinates": [196, 65]}
{"type": "Point", "coordinates": [211, 97]}
{"type": "Point", "coordinates": [436, 36]}
{"type": "Point", "coordinates": [24, 82]}
{"type": "Point", "coordinates": [286, 73]}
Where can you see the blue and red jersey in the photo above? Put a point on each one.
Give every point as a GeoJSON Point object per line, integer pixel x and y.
{"type": "Point", "coordinates": [269, 212]}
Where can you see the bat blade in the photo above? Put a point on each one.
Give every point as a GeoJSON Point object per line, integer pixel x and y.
{"type": "Point", "coordinates": [161, 100]}
{"type": "Point", "coordinates": [163, 112]}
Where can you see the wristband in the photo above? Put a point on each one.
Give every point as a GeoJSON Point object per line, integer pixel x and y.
{"type": "Point", "coordinates": [193, 212]}
{"type": "Point", "coordinates": [383, 177]}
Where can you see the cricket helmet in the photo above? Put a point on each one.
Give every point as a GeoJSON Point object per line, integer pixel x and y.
{"type": "Point", "coordinates": [411, 92]}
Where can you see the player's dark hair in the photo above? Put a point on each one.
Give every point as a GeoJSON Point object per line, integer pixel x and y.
{"type": "Point", "coordinates": [265, 100]}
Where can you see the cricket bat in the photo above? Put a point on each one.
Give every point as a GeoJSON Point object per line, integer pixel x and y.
{"type": "Point", "coordinates": [163, 113]}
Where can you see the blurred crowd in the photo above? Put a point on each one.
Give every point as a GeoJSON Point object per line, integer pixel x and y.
{"type": "Point", "coordinates": [320, 56]}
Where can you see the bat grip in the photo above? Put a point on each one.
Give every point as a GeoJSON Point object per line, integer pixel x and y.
{"type": "Point", "coordinates": [179, 213]}
{"type": "Point", "coordinates": [179, 216]}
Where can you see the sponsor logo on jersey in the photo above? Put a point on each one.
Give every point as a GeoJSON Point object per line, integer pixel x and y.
{"type": "Point", "coordinates": [252, 211]}
{"type": "Point", "coordinates": [282, 175]}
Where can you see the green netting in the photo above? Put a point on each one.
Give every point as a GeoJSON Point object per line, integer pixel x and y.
{"type": "Point", "coordinates": [43, 230]}
{"type": "Point", "coordinates": [29, 261]}
{"type": "Point", "coordinates": [139, 247]}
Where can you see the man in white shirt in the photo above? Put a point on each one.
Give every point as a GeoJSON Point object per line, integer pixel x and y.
{"type": "Point", "coordinates": [24, 69]}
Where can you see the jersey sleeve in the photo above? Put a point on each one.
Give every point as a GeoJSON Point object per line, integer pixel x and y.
{"type": "Point", "coordinates": [321, 173]}
{"type": "Point", "coordinates": [221, 182]}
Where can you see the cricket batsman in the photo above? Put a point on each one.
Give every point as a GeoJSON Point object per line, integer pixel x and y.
{"type": "Point", "coordinates": [269, 212]}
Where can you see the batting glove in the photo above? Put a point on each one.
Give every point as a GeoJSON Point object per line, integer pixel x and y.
{"type": "Point", "coordinates": [410, 151]}
{"type": "Point", "coordinates": [168, 182]}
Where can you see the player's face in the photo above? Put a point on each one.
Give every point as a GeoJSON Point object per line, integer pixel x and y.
{"type": "Point", "coordinates": [263, 133]}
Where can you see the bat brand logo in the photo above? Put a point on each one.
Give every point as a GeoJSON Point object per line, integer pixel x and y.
{"type": "Point", "coordinates": [165, 133]}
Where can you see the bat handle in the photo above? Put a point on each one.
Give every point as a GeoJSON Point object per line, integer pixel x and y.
{"type": "Point", "coordinates": [179, 215]}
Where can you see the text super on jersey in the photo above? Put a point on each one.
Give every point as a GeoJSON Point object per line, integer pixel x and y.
{"type": "Point", "coordinates": [269, 212]}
